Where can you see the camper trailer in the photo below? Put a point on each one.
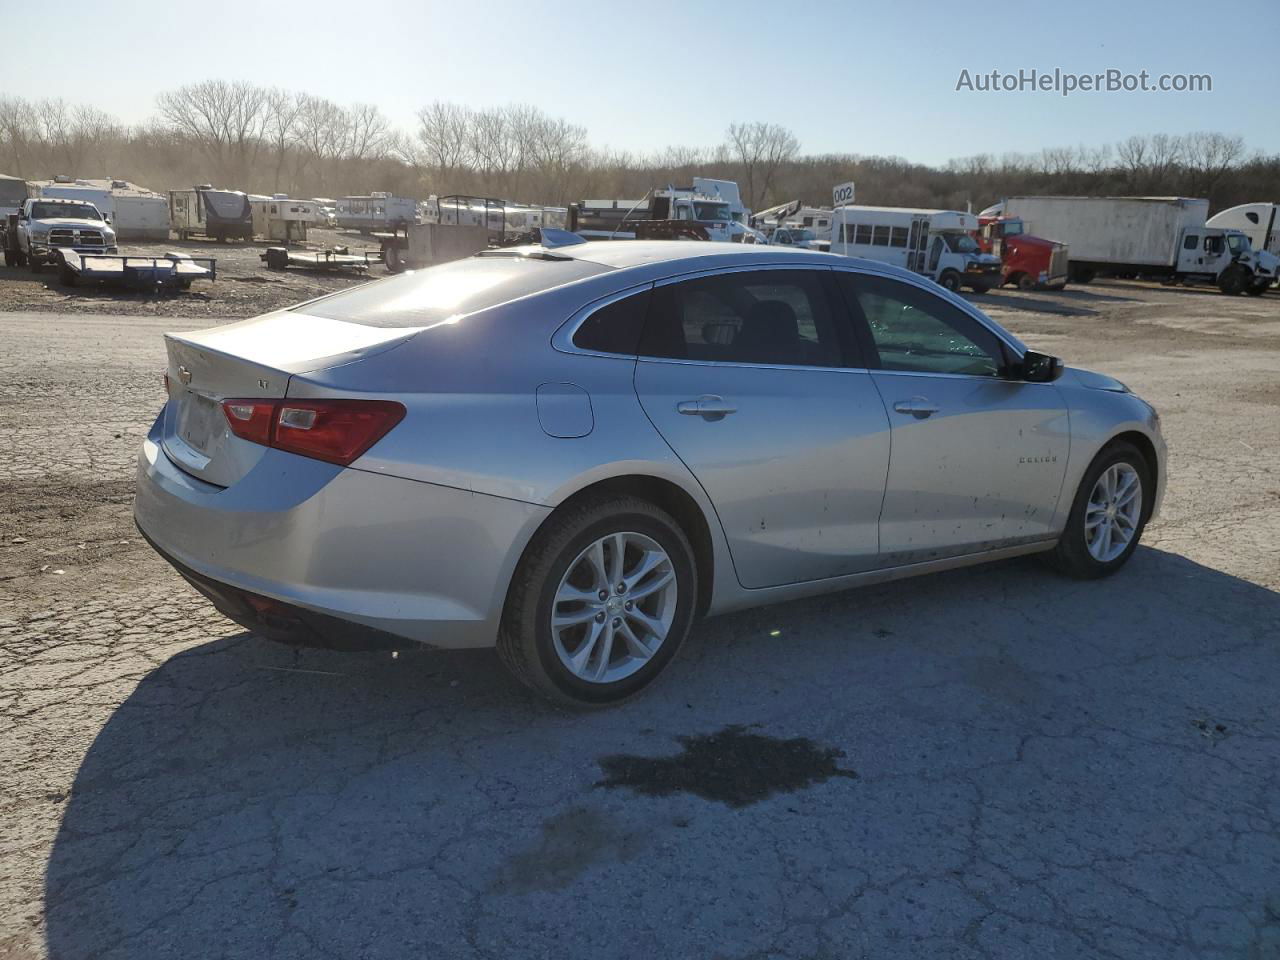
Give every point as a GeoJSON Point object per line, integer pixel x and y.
{"type": "Point", "coordinates": [204, 211]}
{"type": "Point", "coordinates": [377, 211]}
{"type": "Point", "coordinates": [1260, 222]}
{"type": "Point", "coordinates": [936, 243]}
{"type": "Point", "coordinates": [283, 219]}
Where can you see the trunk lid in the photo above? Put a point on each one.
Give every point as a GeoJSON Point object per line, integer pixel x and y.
{"type": "Point", "coordinates": [250, 359]}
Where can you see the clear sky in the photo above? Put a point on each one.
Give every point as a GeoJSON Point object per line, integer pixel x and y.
{"type": "Point", "coordinates": [870, 78]}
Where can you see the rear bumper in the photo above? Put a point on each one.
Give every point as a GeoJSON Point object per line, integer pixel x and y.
{"type": "Point", "coordinates": [310, 550]}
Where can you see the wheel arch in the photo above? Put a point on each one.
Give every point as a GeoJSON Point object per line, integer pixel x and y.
{"type": "Point", "coordinates": [663, 493]}
{"type": "Point", "coordinates": [1148, 450]}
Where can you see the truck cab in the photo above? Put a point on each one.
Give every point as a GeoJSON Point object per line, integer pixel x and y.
{"type": "Point", "coordinates": [46, 225]}
{"type": "Point", "coordinates": [714, 214]}
{"type": "Point", "coordinates": [1027, 261]}
{"type": "Point", "coordinates": [1225, 258]}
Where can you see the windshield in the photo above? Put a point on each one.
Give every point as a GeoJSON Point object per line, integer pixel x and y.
{"type": "Point", "coordinates": [961, 243]}
{"type": "Point", "coordinates": [1012, 228]}
{"type": "Point", "coordinates": [77, 211]}
{"type": "Point", "coordinates": [1238, 242]}
{"type": "Point", "coordinates": [706, 210]}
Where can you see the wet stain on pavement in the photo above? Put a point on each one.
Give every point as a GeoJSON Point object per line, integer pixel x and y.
{"type": "Point", "coordinates": [571, 842]}
{"type": "Point", "coordinates": [735, 767]}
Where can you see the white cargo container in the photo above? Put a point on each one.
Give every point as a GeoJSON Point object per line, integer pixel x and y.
{"type": "Point", "coordinates": [1260, 222]}
{"type": "Point", "coordinates": [936, 243]}
{"type": "Point", "coordinates": [1160, 237]}
{"type": "Point", "coordinates": [1112, 234]}
{"type": "Point", "coordinates": [283, 219]}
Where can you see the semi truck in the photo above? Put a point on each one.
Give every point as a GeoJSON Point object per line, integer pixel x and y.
{"type": "Point", "coordinates": [1164, 238]}
{"type": "Point", "coordinates": [1260, 222]}
{"type": "Point", "coordinates": [1026, 261]}
{"type": "Point", "coordinates": [936, 243]}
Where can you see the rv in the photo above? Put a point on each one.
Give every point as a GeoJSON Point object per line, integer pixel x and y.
{"type": "Point", "coordinates": [936, 243]}
{"type": "Point", "coordinates": [204, 211]}
{"type": "Point", "coordinates": [377, 211]}
{"type": "Point", "coordinates": [1260, 222]}
{"type": "Point", "coordinates": [1158, 237]}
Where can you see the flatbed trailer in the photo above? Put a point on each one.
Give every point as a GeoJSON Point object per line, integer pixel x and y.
{"type": "Point", "coordinates": [281, 258]}
{"type": "Point", "coordinates": [171, 271]}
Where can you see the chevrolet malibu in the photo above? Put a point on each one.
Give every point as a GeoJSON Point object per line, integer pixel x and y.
{"type": "Point", "coordinates": [572, 451]}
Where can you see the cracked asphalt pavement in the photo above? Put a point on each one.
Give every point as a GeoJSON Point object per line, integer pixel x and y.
{"type": "Point", "coordinates": [991, 763]}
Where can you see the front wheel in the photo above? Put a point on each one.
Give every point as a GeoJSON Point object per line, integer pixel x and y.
{"type": "Point", "coordinates": [1257, 289]}
{"type": "Point", "coordinates": [600, 603]}
{"type": "Point", "coordinates": [1233, 282]}
{"type": "Point", "coordinates": [1026, 281]}
{"type": "Point", "coordinates": [950, 280]}
{"type": "Point", "coordinates": [1108, 514]}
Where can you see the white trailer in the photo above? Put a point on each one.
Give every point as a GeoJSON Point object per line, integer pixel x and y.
{"type": "Point", "coordinates": [205, 211]}
{"type": "Point", "coordinates": [377, 211]}
{"type": "Point", "coordinates": [936, 243]}
{"type": "Point", "coordinates": [1260, 222]}
{"type": "Point", "coordinates": [283, 219]}
{"type": "Point", "coordinates": [1163, 237]}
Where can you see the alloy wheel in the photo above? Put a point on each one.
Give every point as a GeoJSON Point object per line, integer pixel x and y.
{"type": "Point", "coordinates": [1112, 515]}
{"type": "Point", "coordinates": [614, 607]}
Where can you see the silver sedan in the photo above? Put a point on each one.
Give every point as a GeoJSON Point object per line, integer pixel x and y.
{"type": "Point", "coordinates": [571, 452]}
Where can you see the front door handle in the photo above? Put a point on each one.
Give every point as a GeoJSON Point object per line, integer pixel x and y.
{"type": "Point", "coordinates": [918, 407]}
{"type": "Point", "coordinates": [709, 407]}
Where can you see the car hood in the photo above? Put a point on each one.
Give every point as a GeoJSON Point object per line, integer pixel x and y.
{"type": "Point", "coordinates": [1097, 381]}
{"type": "Point", "coordinates": [70, 222]}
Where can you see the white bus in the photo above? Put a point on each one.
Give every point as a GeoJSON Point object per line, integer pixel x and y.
{"type": "Point", "coordinates": [936, 243]}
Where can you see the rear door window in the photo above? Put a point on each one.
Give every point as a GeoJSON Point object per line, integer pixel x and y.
{"type": "Point", "coordinates": [776, 317]}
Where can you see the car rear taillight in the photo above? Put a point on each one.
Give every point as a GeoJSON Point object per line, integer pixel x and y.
{"type": "Point", "coordinates": [337, 431]}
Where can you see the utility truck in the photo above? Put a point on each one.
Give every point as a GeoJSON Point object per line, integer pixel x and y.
{"type": "Point", "coordinates": [669, 213]}
{"type": "Point", "coordinates": [1164, 238]}
{"type": "Point", "coordinates": [936, 243]}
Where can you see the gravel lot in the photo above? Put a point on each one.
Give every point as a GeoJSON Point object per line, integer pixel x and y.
{"type": "Point", "coordinates": [244, 287]}
{"type": "Point", "coordinates": [989, 763]}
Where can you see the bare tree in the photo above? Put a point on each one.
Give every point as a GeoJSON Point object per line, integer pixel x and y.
{"type": "Point", "coordinates": [283, 108]}
{"type": "Point", "coordinates": [761, 149]}
{"type": "Point", "coordinates": [225, 119]}
{"type": "Point", "coordinates": [1208, 157]}
{"type": "Point", "coordinates": [444, 132]}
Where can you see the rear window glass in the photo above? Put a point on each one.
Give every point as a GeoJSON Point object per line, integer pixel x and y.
{"type": "Point", "coordinates": [429, 296]}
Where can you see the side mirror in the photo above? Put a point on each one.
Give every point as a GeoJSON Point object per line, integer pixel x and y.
{"type": "Point", "coordinates": [1039, 367]}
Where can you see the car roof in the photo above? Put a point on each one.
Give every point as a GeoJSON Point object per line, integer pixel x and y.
{"type": "Point", "coordinates": [621, 254]}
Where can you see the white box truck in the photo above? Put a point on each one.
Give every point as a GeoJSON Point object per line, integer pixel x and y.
{"type": "Point", "coordinates": [936, 243]}
{"type": "Point", "coordinates": [1160, 237]}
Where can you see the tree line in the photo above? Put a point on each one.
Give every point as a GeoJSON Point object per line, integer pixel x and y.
{"type": "Point", "coordinates": [267, 140]}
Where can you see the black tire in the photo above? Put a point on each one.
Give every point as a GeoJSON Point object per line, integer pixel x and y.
{"type": "Point", "coordinates": [1071, 556]}
{"type": "Point", "coordinates": [393, 257]}
{"type": "Point", "coordinates": [525, 643]}
{"type": "Point", "coordinates": [1234, 281]}
{"type": "Point", "coordinates": [1026, 281]}
{"type": "Point", "coordinates": [1257, 289]}
{"type": "Point", "coordinates": [10, 258]}
{"type": "Point", "coordinates": [950, 280]}
{"type": "Point", "coordinates": [980, 287]}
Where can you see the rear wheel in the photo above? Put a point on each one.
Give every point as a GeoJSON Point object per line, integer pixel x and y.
{"type": "Point", "coordinates": [1108, 514]}
{"type": "Point", "coordinates": [600, 603]}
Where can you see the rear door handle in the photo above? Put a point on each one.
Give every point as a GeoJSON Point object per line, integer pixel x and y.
{"type": "Point", "coordinates": [918, 407]}
{"type": "Point", "coordinates": [709, 407]}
